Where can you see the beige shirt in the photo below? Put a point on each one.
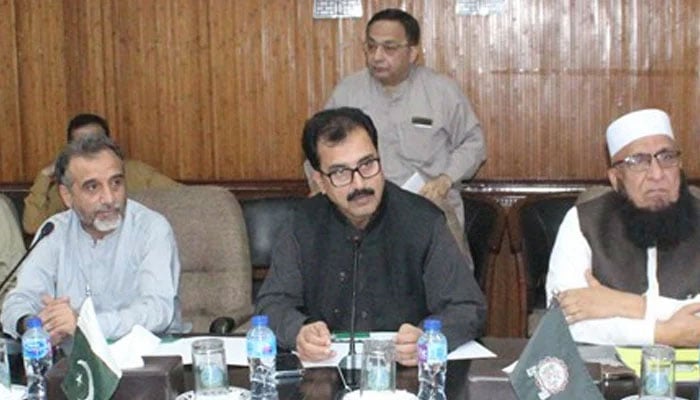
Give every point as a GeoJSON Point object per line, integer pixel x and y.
{"type": "Point", "coordinates": [425, 125]}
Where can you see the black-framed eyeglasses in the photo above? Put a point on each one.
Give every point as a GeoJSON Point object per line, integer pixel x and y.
{"type": "Point", "coordinates": [390, 48]}
{"type": "Point", "coordinates": [343, 176]}
{"type": "Point", "coordinates": [641, 162]}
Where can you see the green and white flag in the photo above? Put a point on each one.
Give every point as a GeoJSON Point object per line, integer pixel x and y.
{"type": "Point", "coordinates": [92, 372]}
{"type": "Point", "coordinates": [550, 367]}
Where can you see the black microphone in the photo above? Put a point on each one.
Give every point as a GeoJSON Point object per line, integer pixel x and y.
{"type": "Point", "coordinates": [45, 231]}
{"type": "Point", "coordinates": [351, 364]}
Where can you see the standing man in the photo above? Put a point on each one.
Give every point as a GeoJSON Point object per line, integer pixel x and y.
{"type": "Point", "coordinates": [625, 266]}
{"type": "Point", "coordinates": [426, 125]}
{"type": "Point", "coordinates": [44, 200]}
{"type": "Point", "coordinates": [115, 250]}
{"type": "Point", "coordinates": [365, 249]}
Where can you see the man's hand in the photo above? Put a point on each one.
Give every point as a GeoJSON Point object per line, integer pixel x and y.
{"type": "Point", "coordinates": [682, 329]}
{"type": "Point", "coordinates": [58, 318]}
{"type": "Point", "coordinates": [406, 342]}
{"type": "Point", "coordinates": [436, 189]}
{"type": "Point", "coordinates": [314, 342]}
{"type": "Point", "coordinates": [599, 301]}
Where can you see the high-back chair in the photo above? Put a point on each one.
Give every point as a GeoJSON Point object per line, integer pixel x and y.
{"type": "Point", "coordinates": [533, 223]}
{"type": "Point", "coordinates": [484, 224]}
{"type": "Point", "coordinates": [215, 278]}
{"type": "Point", "coordinates": [263, 218]}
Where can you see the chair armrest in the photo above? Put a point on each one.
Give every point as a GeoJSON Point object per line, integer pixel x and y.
{"type": "Point", "coordinates": [222, 325]}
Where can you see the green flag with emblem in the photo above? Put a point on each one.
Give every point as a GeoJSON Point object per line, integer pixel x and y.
{"type": "Point", "coordinates": [550, 367]}
{"type": "Point", "coordinates": [92, 372]}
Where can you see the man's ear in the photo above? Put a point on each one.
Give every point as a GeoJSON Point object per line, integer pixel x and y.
{"type": "Point", "coordinates": [66, 195]}
{"type": "Point", "coordinates": [415, 52]}
{"type": "Point", "coordinates": [318, 179]}
{"type": "Point", "coordinates": [613, 177]}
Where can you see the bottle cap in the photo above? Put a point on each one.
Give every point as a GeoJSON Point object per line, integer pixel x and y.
{"type": "Point", "coordinates": [432, 325]}
{"type": "Point", "coordinates": [259, 320]}
{"type": "Point", "coordinates": [33, 322]}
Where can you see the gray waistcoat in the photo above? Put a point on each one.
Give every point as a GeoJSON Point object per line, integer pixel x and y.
{"type": "Point", "coordinates": [621, 265]}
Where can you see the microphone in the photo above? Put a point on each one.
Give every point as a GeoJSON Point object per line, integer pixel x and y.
{"type": "Point", "coordinates": [45, 231]}
{"type": "Point", "coordinates": [351, 364]}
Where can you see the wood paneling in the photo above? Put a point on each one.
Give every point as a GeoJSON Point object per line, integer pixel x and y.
{"type": "Point", "coordinates": [219, 89]}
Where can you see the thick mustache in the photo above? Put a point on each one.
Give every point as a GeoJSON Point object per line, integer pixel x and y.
{"type": "Point", "coordinates": [360, 192]}
{"type": "Point", "coordinates": [109, 208]}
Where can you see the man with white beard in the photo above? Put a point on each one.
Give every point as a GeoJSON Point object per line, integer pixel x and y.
{"type": "Point", "coordinates": [114, 250]}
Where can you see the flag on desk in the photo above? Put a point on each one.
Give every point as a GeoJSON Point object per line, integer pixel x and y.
{"type": "Point", "coordinates": [92, 372]}
{"type": "Point", "coordinates": [550, 367]}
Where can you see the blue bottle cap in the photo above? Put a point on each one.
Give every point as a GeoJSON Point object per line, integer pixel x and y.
{"type": "Point", "coordinates": [259, 320]}
{"type": "Point", "coordinates": [33, 322]}
{"type": "Point", "coordinates": [432, 325]}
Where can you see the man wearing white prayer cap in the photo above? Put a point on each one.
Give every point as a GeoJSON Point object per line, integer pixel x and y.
{"type": "Point", "coordinates": [625, 266]}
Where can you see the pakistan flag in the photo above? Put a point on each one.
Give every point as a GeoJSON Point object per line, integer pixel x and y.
{"type": "Point", "coordinates": [92, 372]}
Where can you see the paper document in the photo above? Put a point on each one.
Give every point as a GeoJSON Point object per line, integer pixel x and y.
{"type": "Point", "coordinates": [128, 350]}
{"type": "Point", "coordinates": [470, 351]}
{"type": "Point", "coordinates": [236, 350]}
{"type": "Point", "coordinates": [467, 351]}
{"type": "Point", "coordinates": [414, 183]}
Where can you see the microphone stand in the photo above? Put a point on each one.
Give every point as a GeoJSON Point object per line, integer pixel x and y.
{"type": "Point", "coordinates": [45, 231]}
{"type": "Point", "coordinates": [351, 364]}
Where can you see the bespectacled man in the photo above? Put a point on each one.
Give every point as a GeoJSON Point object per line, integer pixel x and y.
{"type": "Point", "coordinates": [625, 266]}
{"type": "Point", "coordinates": [364, 238]}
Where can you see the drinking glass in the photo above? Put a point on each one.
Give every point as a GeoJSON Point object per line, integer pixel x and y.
{"type": "Point", "coordinates": [378, 366]}
{"type": "Point", "coordinates": [209, 368]}
{"type": "Point", "coordinates": [658, 373]}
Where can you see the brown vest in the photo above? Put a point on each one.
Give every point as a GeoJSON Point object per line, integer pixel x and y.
{"type": "Point", "coordinates": [619, 264]}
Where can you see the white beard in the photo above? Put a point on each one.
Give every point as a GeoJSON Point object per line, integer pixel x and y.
{"type": "Point", "coordinates": [107, 225]}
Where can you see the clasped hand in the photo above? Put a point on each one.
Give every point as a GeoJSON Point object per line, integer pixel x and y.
{"type": "Point", "coordinates": [599, 301]}
{"type": "Point", "coordinates": [313, 343]}
{"type": "Point", "coordinates": [58, 318]}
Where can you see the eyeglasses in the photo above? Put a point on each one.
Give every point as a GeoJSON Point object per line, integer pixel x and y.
{"type": "Point", "coordinates": [641, 162]}
{"type": "Point", "coordinates": [344, 176]}
{"type": "Point", "coordinates": [390, 48]}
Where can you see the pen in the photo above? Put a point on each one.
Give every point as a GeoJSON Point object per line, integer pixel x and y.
{"type": "Point", "coordinates": [345, 336]}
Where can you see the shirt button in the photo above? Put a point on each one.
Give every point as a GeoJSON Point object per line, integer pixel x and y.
{"type": "Point", "coordinates": [364, 314]}
{"type": "Point", "coordinates": [336, 311]}
{"type": "Point", "coordinates": [342, 276]}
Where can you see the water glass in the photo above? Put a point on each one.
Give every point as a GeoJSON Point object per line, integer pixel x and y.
{"type": "Point", "coordinates": [378, 366]}
{"type": "Point", "coordinates": [209, 368]}
{"type": "Point", "coordinates": [658, 373]}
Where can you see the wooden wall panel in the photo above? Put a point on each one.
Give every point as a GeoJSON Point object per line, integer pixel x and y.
{"type": "Point", "coordinates": [220, 89]}
{"type": "Point", "coordinates": [41, 88]}
{"type": "Point", "coordinates": [10, 134]}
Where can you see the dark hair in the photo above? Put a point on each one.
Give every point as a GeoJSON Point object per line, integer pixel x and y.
{"type": "Point", "coordinates": [81, 120]}
{"type": "Point", "coordinates": [332, 126]}
{"type": "Point", "coordinates": [84, 146]}
{"type": "Point", "coordinates": [409, 23]}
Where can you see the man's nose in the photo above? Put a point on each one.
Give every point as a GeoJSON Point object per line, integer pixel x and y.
{"type": "Point", "coordinates": [357, 180]}
{"type": "Point", "coordinates": [378, 53]}
{"type": "Point", "coordinates": [655, 171]}
{"type": "Point", "coordinates": [107, 196]}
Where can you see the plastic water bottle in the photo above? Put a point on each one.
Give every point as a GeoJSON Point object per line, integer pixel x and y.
{"type": "Point", "coordinates": [432, 362]}
{"type": "Point", "coordinates": [36, 350]}
{"type": "Point", "coordinates": [261, 346]}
